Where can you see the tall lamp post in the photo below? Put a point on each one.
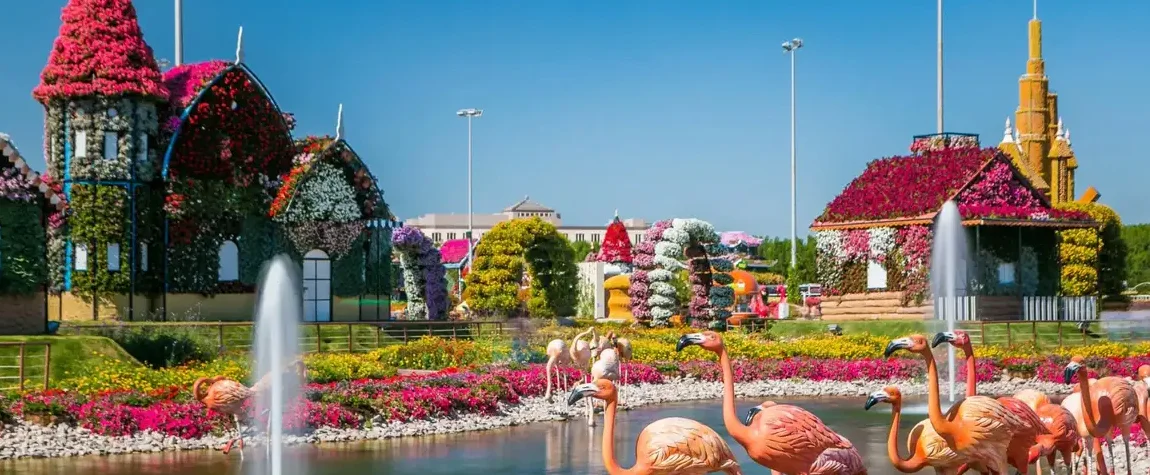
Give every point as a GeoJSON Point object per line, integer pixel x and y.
{"type": "Point", "coordinates": [792, 47]}
{"type": "Point", "coordinates": [469, 114]}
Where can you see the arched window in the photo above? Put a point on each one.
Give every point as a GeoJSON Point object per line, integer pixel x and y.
{"type": "Point", "coordinates": [229, 261]}
{"type": "Point", "coordinates": [317, 286]}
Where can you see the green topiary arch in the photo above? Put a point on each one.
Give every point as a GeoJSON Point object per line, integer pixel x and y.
{"type": "Point", "coordinates": [513, 249]}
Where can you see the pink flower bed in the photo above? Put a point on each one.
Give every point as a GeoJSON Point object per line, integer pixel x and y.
{"type": "Point", "coordinates": [808, 368]}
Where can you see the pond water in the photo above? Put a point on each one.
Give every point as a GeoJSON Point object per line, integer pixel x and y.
{"type": "Point", "coordinates": [559, 448]}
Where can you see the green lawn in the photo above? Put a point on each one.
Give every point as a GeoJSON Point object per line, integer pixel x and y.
{"type": "Point", "coordinates": [67, 353]}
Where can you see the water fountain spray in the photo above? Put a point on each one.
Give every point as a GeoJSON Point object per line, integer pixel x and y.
{"type": "Point", "coordinates": [278, 313]}
{"type": "Point", "coordinates": [948, 273]}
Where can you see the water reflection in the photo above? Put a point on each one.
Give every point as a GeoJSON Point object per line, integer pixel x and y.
{"type": "Point", "coordinates": [560, 448]}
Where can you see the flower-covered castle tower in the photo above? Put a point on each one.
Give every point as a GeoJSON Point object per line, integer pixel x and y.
{"type": "Point", "coordinates": [101, 90]}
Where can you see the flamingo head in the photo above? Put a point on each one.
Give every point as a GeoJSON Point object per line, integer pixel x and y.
{"type": "Point", "coordinates": [1144, 371]}
{"type": "Point", "coordinates": [1071, 369]}
{"type": "Point", "coordinates": [754, 411]}
{"type": "Point", "coordinates": [599, 389]}
{"type": "Point", "coordinates": [708, 340]}
{"type": "Point", "coordinates": [957, 338]}
{"type": "Point", "coordinates": [913, 343]}
{"type": "Point", "coordinates": [889, 394]}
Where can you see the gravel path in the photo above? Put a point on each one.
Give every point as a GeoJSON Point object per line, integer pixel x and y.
{"type": "Point", "coordinates": [28, 440]}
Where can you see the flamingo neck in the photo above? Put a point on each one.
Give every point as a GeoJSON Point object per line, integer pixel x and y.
{"type": "Point", "coordinates": [609, 461]}
{"type": "Point", "coordinates": [731, 420]}
{"type": "Point", "coordinates": [1094, 422]}
{"type": "Point", "coordinates": [911, 464]}
{"type": "Point", "coordinates": [933, 401]}
{"type": "Point", "coordinates": [971, 370]}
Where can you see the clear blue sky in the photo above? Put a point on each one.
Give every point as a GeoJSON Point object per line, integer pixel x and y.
{"type": "Point", "coordinates": [658, 108]}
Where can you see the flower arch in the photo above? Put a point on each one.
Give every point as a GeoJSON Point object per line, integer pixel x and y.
{"type": "Point", "coordinates": [524, 249]}
{"type": "Point", "coordinates": [424, 277]}
{"type": "Point", "coordinates": [228, 144]}
{"type": "Point", "coordinates": [328, 197]}
{"type": "Point", "coordinates": [708, 277]}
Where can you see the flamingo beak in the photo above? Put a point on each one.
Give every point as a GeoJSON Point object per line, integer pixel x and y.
{"type": "Point", "coordinates": [939, 338]}
{"type": "Point", "coordinates": [875, 398]}
{"type": "Point", "coordinates": [581, 391]}
{"type": "Point", "coordinates": [1070, 371]}
{"type": "Point", "coordinates": [688, 340]}
{"type": "Point", "coordinates": [895, 345]}
{"type": "Point", "coordinates": [751, 414]}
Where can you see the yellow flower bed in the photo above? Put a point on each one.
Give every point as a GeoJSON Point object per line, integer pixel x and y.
{"type": "Point", "coordinates": [105, 375]}
{"type": "Point", "coordinates": [739, 346]}
{"type": "Point", "coordinates": [1105, 349]}
{"type": "Point", "coordinates": [328, 367]}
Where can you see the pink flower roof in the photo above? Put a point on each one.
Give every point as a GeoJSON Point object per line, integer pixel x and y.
{"type": "Point", "coordinates": [183, 82]}
{"type": "Point", "coordinates": [984, 183]}
{"type": "Point", "coordinates": [100, 50]}
{"type": "Point", "coordinates": [453, 250]}
{"type": "Point", "coordinates": [733, 238]}
{"type": "Point", "coordinates": [904, 187]}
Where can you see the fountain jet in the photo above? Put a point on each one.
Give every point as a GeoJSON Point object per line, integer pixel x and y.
{"type": "Point", "coordinates": [278, 312]}
{"type": "Point", "coordinates": [948, 273]}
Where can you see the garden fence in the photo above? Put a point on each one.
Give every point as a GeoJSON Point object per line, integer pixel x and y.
{"type": "Point", "coordinates": [24, 365]}
{"type": "Point", "coordinates": [322, 337]}
{"type": "Point", "coordinates": [1055, 333]}
{"type": "Point", "coordinates": [1032, 308]}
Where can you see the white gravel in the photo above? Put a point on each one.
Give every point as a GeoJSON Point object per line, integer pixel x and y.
{"type": "Point", "coordinates": [30, 440]}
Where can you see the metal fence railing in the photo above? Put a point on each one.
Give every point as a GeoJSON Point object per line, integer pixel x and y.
{"type": "Point", "coordinates": [1056, 333]}
{"type": "Point", "coordinates": [332, 337]}
{"type": "Point", "coordinates": [24, 365]}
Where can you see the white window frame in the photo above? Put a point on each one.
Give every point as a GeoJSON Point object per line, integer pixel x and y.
{"type": "Point", "coordinates": [1006, 273]}
{"type": "Point", "coordinates": [80, 144]}
{"type": "Point", "coordinates": [113, 256]}
{"type": "Point", "coordinates": [111, 145]}
{"type": "Point", "coordinates": [229, 257]}
{"type": "Point", "coordinates": [79, 257]}
{"type": "Point", "coordinates": [875, 275]}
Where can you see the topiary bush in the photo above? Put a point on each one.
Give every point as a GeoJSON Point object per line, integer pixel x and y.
{"type": "Point", "coordinates": [519, 250]}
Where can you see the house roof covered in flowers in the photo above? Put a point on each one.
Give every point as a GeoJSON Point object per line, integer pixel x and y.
{"type": "Point", "coordinates": [453, 251]}
{"type": "Point", "coordinates": [314, 152]}
{"type": "Point", "coordinates": [100, 50]}
{"type": "Point", "coordinates": [18, 182]}
{"type": "Point", "coordinates": [905, 190]}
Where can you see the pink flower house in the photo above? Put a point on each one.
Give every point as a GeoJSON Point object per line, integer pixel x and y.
{"type": "Point", "coordinates": [875, 238]}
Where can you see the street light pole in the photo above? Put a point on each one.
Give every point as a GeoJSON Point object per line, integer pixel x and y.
{"type": "Point", "coordinates": [469, 114]}
{"type": "Point", "coordinates": [791, 47]}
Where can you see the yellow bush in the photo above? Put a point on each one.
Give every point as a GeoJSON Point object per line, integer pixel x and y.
{"type": "Point", "coordinates": [328, 367]}
{"type": "Point", "coordinates": [101, 374]}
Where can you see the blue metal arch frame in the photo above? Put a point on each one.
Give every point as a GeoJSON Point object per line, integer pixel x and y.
{"type": "Point", "coordinates": [199, 98]}
{"type": "Point", "coordinates": [374, 184]}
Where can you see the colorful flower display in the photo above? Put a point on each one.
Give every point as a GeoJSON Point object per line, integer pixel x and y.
{"type": "Point", "coordinates": [707, 276]}
{"type": "Point", "coordinates": [100, 36]}
{"type": "Point", "coordinates": [523, 265]}
{"type": "Point", "coordinates": [616, 248]}
{"type": "Point", "coordinates": [423, 274]}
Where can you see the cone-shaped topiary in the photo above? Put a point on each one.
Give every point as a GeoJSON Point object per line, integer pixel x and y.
{"type": "Point", "coordinates": [616, 244]}
{"type": "Point", "coordinates": [100, 50]}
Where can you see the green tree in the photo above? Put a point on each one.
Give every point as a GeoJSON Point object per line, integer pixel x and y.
{"type": "Point", "coordinates": [580, 249]}
{"type": "Point", "coordinates": [779, 250]}
{"type": "Point", "coordinates": [1137, 239]}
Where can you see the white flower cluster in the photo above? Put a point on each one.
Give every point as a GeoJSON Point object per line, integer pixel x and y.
{"type": "Point", "coordinates": [829, 254]}
{"type": "Point", "coordinates": [881, 242]}
{"type": "Point", "coordinates": [660, 275]}
{"type": "Point", "coordinates": [324, 195]}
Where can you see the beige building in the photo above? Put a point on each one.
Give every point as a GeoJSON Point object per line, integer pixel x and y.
{"type": "Point", "coordinates": [445, 227]}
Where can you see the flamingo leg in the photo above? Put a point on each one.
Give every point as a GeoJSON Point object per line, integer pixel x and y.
{"type": "Point", "coordinates": [239, 436]}
{"type": "Point", "coordinates": [1126, 443]}
{"type": "Point", "coordinates": [1110, 448]}
{"type": "Point", "coordinates": [547, 369]}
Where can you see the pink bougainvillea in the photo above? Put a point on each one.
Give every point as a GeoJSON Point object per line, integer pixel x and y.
{"type": "Point", "coordinates": [453, 250]}
{"type": "Point", "coordinates": [900, 187]}
{"type": "Point", "coordinates": [100, 50]}
{"type": "Point", "coordinates": [999, 193]}
{"type": "Point", "coordinates": [183, 82]}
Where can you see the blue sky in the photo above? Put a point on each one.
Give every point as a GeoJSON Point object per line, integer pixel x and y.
{"type": "Point", "coordinates": [658, 108]}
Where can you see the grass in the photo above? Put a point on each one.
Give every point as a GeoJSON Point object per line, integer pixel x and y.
{"type": "Point", "coordinates": [67, 354]}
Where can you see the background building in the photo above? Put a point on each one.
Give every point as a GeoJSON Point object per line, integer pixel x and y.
{"type": "Point", "coordinates": [446, 227]}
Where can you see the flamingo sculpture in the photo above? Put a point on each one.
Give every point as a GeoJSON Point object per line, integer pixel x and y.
{"type": "Point", "coordinates": [1122, 408]}
{"type": "Point", "coordinates": [1032, 431]}
{"type": "Point", "coordinates": [927, 448]}
{"type": "Point", "coordinates": [228, 396]}
{"type": "Point", "coordinates": [977, 428]}
{"type": "Point", "coordinates": [606, 367]}
{"type": "Point", "coordinates": [1073, 404]}
{"type": "Point", "coordinates": [1033, 398]}
{"type": "Point", "coordinates": [1064, 428]}
{"type": "Point", "coordinates": [581, 350]}
{"type": "Point", "coordinates": [623, 350]}
{"type": "Point", "coordinates": [781, 437]}
{"type": "Point", "coordinates": [667, 446]}
{"type": "Point", "coordinates": [557, 354]}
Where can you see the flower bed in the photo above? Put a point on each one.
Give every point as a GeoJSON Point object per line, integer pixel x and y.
{"type": "Point", "coordinates": [351, 403]}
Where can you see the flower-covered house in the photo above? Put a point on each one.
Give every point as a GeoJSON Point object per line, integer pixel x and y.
{"type": "Point", "coordinates": [180, 185]}
{"type": "Point", "coordinates": [874, 239]}
{"type": "Point", "coordinates": [26, 201]}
